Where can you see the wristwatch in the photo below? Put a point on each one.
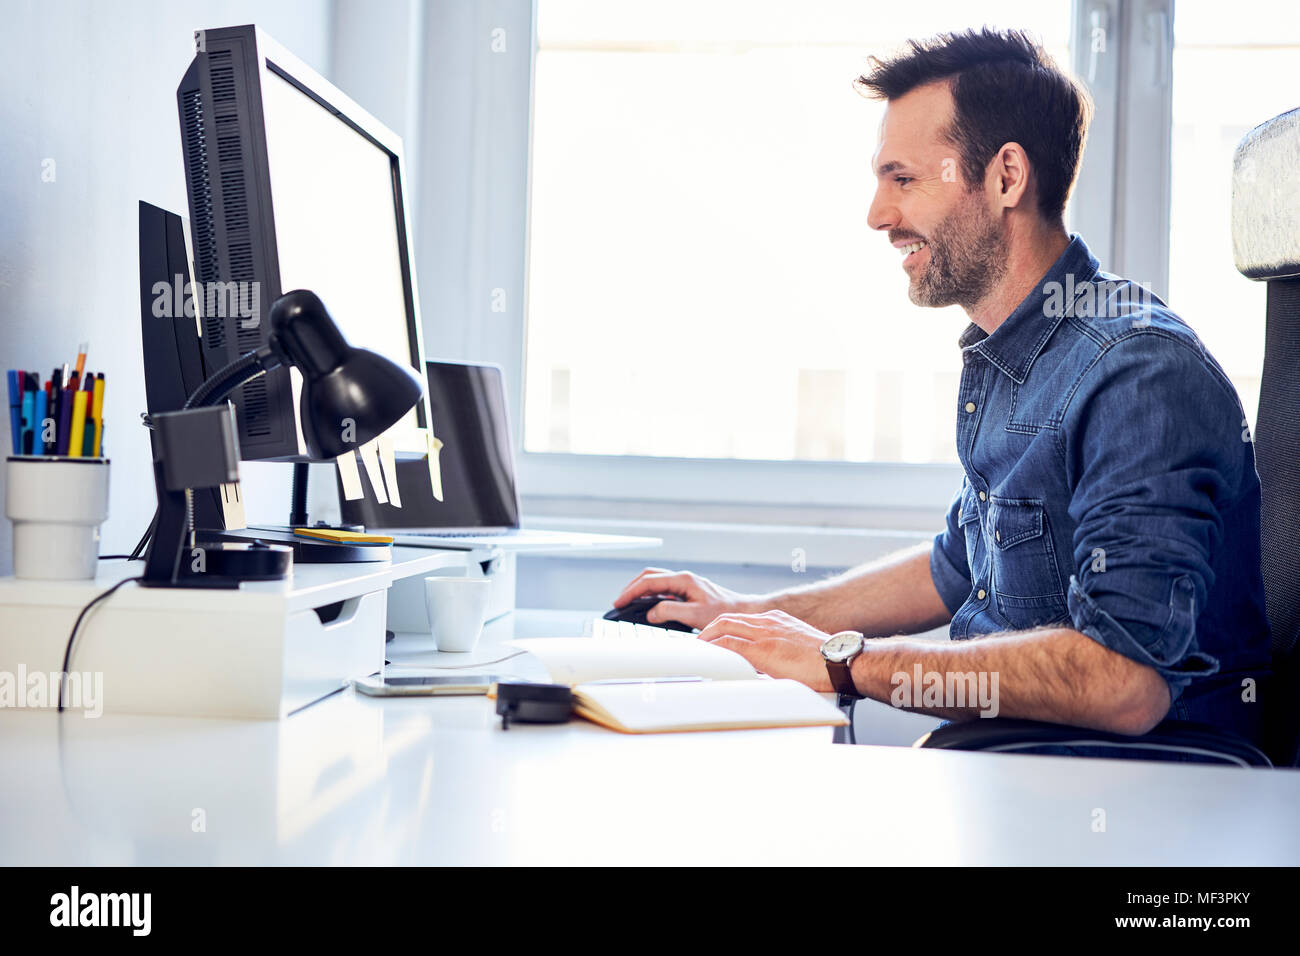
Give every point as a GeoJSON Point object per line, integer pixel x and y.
{"type": "Point", "coordinates": [840, 652]}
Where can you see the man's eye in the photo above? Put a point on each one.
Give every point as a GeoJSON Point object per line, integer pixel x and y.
{"type": "Point", "coordinates": [902, 180]}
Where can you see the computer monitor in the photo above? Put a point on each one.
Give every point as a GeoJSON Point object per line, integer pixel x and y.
{"type": "Point", "coordinates": [292, 185]}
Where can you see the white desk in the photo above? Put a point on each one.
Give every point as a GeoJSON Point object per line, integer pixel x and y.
{"type": "Point", "coordinates": [366, 781]}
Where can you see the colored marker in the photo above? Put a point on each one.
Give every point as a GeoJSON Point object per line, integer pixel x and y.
{"type": "Point", "coordinates": [54, 408]}
{"type": "Point", "coordinates": [88, 430]}
{"type": "Point", "coordinates": [65, 420]}
{"type": "Point", "coordinates": [28, 417]}
{"type": "Point", "coordinates": [38, 437]}
{"type": "Point", "coordinates": [15, 412]}
{"type": "Point", "coordinates": [98, 410]}
{"type": "Point", "coordinates": [77, 436]}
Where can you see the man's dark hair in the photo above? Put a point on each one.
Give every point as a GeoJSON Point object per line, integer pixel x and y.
{"type": "Point", "coordinates": [1005, 88]}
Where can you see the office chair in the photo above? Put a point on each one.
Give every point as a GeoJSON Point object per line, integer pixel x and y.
{"type": "Point", "coordinates": [1266, 247]}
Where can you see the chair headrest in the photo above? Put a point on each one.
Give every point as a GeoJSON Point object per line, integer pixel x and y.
{"type": "Point", "coordinates": [1266, 199]}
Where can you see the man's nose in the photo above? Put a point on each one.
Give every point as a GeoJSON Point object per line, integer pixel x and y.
{"type": "Point", "coordinates": [882, 214]}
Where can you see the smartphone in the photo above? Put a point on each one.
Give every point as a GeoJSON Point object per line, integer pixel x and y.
{"type": "Point", "coordinates": [418, 686]}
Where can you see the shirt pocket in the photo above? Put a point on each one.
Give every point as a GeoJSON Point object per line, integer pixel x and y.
{"type": "Point", "coordinates": [968, 517]}
{"type": "Point", "coordinates": [1026, 578]}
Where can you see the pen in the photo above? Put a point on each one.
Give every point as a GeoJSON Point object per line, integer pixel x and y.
{"type": "Point", "coordinates": [54, 411]}
{"type": "Point", "coordinates": [88, 438]}
{"type": "Point", "coordinates": [98, 409]}
{"type": "Point", "coordinates": [77, 434]}
{"type": "Point", "coordinates": [15, 412]}
{"type": "Point", "coordinates": [81, 358]}
{"type": "Point", "coordinates": [38, 417]}
{"type": "Point", "coordinates": [28, 415]}
{"type": "Point", "coordinates": [65, 420]}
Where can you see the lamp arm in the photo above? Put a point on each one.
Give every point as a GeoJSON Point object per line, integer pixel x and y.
{"type": "Point", "coordinates": [239, 372]}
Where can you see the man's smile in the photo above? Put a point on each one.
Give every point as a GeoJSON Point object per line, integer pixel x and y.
{"type": "Point", "coordinates": [911, 250]}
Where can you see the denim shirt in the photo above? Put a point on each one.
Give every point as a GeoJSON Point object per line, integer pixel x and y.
{"type": "Point", "coordinates": [1110, 486]}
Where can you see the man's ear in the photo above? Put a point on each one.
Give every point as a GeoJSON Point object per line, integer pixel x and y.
{"type": "Point", "coordinates": [1008, 176]}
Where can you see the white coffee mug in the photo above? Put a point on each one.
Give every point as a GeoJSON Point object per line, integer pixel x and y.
{"type": "Point", "coordinates": [56, 505]}
{"type": "Point", "coordinates": [456, 609]}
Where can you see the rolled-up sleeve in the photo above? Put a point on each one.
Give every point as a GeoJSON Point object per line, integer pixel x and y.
{"type": "Point", "coordinates": [949, 568]}
{"type": "Point", "coordinates": [1152, 447]}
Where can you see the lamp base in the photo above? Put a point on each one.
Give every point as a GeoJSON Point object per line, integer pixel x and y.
{"type": "Point", "coordinates": [226, 564]}
{"type": "Point", "coordinates": [305, 550]}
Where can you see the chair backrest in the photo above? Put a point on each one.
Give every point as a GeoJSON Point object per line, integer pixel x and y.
{"type": "Point", "coordinates": [1266, 247]}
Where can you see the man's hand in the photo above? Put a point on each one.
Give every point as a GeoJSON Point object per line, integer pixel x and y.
{"type": "Point", "coordinates": [776, 644]}
{"type": "Point", "coordinates": [701, 599]}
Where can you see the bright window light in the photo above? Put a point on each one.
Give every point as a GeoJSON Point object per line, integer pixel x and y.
{"type": "Point", "coordinates": [702, 279]}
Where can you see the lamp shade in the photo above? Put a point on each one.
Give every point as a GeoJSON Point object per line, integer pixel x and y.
{"type": "Point", "coordinates": [349, 395]}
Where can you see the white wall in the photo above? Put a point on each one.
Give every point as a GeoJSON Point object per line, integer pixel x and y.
{"type": "Point", "coordinates": [92, 86]}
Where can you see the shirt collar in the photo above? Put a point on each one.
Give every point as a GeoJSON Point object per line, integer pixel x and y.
{"type": "Point", "coordinates": [1015, 343]}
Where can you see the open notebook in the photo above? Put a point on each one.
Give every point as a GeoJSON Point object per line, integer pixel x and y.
{"type": "Point", "coordinates": [628, 685]}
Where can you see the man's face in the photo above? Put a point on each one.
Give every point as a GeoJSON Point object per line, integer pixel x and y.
{"type": "Point", "coordinates": [922, 197]}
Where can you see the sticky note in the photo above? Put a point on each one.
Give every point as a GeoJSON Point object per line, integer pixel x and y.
{"type": "Point", "coordinates": [370, 458]}
{"type": "Point", "coordinates": [435, 466]}
{"type": "Point", "coordinates": [349, 475]}
{"type": "Point", "coordinates": [388, 462]}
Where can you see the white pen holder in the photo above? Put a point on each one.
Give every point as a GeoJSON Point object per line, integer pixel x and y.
{"type": "Point", "coordinates": [56, 505]}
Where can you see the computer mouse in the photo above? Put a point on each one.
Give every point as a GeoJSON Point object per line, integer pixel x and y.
{"type": "Point", "coordinates": [634, 612]}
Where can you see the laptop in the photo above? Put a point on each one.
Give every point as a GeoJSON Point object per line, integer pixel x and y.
{"type": "Point", "coordinates": [480, 497]}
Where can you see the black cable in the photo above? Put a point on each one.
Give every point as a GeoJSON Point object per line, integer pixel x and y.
{"type": "Point", "coordinates": [143, 543]}
{"type": "Point", "coordinates": [67, 653]}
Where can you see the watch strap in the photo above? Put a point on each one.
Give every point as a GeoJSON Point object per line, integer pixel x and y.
{"type": "Point", "coordinates": [841, 673]}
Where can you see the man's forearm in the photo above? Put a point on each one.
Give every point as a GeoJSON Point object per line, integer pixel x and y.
{"type": "Point", "coordinates": [895, 595]}
{"type": "Point", "coordinates": [1051, 674]}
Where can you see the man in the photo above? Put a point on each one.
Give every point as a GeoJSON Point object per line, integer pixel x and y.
{"type": "Point", "coordinates": [1104, 546]}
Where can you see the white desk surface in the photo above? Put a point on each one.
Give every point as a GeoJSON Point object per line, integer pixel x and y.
{"type": "Point", "coordinates": [357, 780]}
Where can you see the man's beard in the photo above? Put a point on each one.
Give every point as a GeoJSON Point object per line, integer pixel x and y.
{"type": "Point", "coordinates": [967, 259]}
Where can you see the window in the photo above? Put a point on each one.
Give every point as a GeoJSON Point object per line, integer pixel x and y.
{"type": "Point", "coordinates": [1231, 73]}
{"type": "Point", "coordinates": [702, 279]}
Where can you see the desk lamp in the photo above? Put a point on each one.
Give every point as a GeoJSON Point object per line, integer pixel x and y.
{"type": "Point", "coordinates": [349, 397]}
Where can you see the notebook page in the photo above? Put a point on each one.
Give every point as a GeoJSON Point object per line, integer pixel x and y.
{"type": "Point", "coordinates": [576, 660]}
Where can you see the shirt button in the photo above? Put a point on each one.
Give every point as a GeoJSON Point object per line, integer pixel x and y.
{"type": "Point", "coordinates": [983, 497]}
{"type": "Point", "coordinates": [997, 535]}
{"type": "Point", "coordinates": [970, 407]}
{"type": "Point", "coordinates": [980, 594]}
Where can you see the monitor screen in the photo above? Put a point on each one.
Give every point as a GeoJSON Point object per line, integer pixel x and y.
{"type": "Point", "coordinates": [338, 230]}
{"type": "Point", "coordinates": [467, 405]}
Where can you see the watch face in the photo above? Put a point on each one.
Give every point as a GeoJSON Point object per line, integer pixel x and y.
{"type": "Point", "coordinates": [841, 647]}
